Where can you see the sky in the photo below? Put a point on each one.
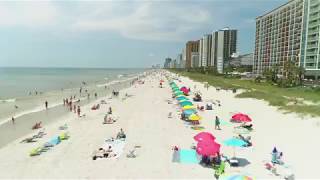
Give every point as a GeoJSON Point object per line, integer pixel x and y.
{"type": "Point", "coordinates": [113, 34]}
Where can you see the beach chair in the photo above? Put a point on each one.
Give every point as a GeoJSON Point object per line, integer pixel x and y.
{"type": "Point", "coordinates": [220, 169]}
{"type": "Point", "coordinates": [64, 136]}
{"type": "Point", "coordinates": [35, 151]}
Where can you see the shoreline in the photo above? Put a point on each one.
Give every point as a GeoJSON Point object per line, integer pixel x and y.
{"type": "Point", "coordinates": [29, 101]}
{"type": "Point", "coordinates": [19, 128]}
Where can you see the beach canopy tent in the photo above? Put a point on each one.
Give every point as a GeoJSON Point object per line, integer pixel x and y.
{"type": "Point", "coordinates": [204, 137]}
{"type": "Point", "coordinates": [240, 117]}
{"type": "Point", "coordinates": [194, 117]}
{"type": "Point", "coordinates": [188, 107]}
{"type": "Point", "coordinates": [208, 149]}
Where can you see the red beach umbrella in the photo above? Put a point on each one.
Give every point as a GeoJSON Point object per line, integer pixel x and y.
{"type": "Point", "coordinates": [204, 137]}
{"type": "Point", "coordinates": [241, 118]}
{"type": "Point", "coordinates": [184, 89]}
{"type": "Point", "coordinates": [208, 149]}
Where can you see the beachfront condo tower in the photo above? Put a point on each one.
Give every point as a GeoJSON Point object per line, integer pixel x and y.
{"type": "Point", "coordinates": [191, 47]}
{"type": "Point", "coordinates": [224, 44]}
{"type": "Point", "coordinates": [289, 33]}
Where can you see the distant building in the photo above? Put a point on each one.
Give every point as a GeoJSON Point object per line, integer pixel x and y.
{"type": "Point", "coordinates": [191, 46]}
{"type": "Point", "coordinates": [184, 58]}
{"type": "Point", "coordinates": [195, 61]}
{"type": "Point", "coordinates": [205, 48]}
{"type": "Point", "coordinates": [290, 32]}
{"type": "Point", "coordinates": [167, 63]}
{"type": "Point", "coordinates": [245, 60]}
{"type": "Point", "coordinates": [224, 44]}
{"type": "Point", "coordinates": [180, 63]}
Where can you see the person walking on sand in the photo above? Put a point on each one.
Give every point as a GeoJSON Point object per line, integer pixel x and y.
{"type": "Point", "coordinates": [74, 108]}
{"type": "Point", "coordinates": [46, 104]}
{"type": "Point", "coordinates": [96, 95]}
{"type": "Point", "coordinates": [217, 123]}
{"type": "Point", "coordinates": [12, 119]}
{"type": "Point", "coordinates": [78, 111]}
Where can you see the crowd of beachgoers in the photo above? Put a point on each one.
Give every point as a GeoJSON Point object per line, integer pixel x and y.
{"type": "Point", "coordinates": [166, 126]}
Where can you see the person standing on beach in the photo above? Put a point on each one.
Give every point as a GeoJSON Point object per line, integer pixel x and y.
{"type": "Point", "coordinates": [74, 108]}
{"type": "Point", "coordinates": [46, 104]}
{"type": "Point", "coordinates": [78, 111]}
{"type": "Point", "coordinates": [217, 123]}
{"type": "Point", "coordinates": [96, 95]}
{"type": "Point", "coordinates": [12, 119]}
{"type": "Point", "coordinates": [70, 106]}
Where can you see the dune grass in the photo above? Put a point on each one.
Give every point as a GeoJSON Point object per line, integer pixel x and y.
{"type": "Point", "coordinates": [283, 98]}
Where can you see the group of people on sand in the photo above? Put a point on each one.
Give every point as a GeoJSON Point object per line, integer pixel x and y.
{"type": "Point", "coordinates": [72, 105]}
{"type": "Point", "coordinates": [108, 152]}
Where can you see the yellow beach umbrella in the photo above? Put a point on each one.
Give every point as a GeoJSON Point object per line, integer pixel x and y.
{"type": "Point", "coordinates": [194, 117]}
{"type": "Point", "coordinates": [188, 107]}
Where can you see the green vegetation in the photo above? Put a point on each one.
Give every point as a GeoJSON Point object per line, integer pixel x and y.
{"type": "Point", "coordinates": [302, 100]}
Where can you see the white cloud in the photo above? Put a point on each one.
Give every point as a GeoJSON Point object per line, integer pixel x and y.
{"type": "Point", "coordinates": [27, 14]}
{"type": "Point", "coordinates": [151, 55]}
{"type": "Point", "coordinates": [149, 21]}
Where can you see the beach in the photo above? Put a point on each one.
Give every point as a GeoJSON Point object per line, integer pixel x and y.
{"type": "Point", "coordinates": [143, 115]}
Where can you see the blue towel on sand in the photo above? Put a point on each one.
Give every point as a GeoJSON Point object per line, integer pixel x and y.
{"type": "Point", "coordinates": [55, 140]}
{"type": "Point", "coordinates": [188, 156]}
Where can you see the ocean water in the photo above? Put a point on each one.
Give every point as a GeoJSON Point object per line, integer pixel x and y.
{"type": "Point", "coordinates": [18, 98]}
{"type": "Point", "coordinates": [29, 88]}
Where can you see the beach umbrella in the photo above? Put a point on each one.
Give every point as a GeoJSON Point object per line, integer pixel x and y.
{"type": "Point", "coordinates": [234, 142]}
{"type": "Point", "coordinates": [184, 89]}
{"type": "Point", "coordinates": [204, 137]}
{"type": "Point", "coordinates": [194, 117]}
{"type": "Point", "coordinates": [186, 103]}
{"type": "Point", "coordinates": [241, 118]}
{"type": "Point", "coordinates": [189, 112]}
{"type": "Point", "coordinates": [208, 149]}
{"type": "Point", "coordinates": [175, 89]}
{"type": "Point", "coordinates": [178, 93]}
{"type": "Point", "coordinates": [237, 177]}
{"type": "Point", "coordinates": [188, 107]}
{"type": "Point", "coordinates": [183, 100]}
{"type": "Point", "coordinates": [181, 97]}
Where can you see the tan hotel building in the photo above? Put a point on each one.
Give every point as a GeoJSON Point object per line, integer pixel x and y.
{"type": "Point", "coordinates": [289, 33]}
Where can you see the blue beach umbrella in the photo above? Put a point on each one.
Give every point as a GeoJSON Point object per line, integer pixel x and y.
{"type": "Point", "coordinates": [185, 103]}
{"type": "Point", "coordinates": [234, 142]}
{"type": "Point", "coordinates": [182, 98]}
{"type": "Point", "coordinates": [188, 112]}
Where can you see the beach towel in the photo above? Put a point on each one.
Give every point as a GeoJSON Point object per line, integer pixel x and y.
{"type": "Point", "coordinates": [188, 156]}
{"type": "Point", "coordinates": [197, 128]}
{"type": "Point", "coordinates": [117, 147]}
{"type": "Point", "coordinates": [55, 140]}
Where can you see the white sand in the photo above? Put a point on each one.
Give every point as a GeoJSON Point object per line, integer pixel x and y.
{"type": "Point", "coordinates": [144, 119]}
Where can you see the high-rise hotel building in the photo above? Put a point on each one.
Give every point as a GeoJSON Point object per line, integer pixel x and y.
{"type": "Point", "coordinates": [289, 33]}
